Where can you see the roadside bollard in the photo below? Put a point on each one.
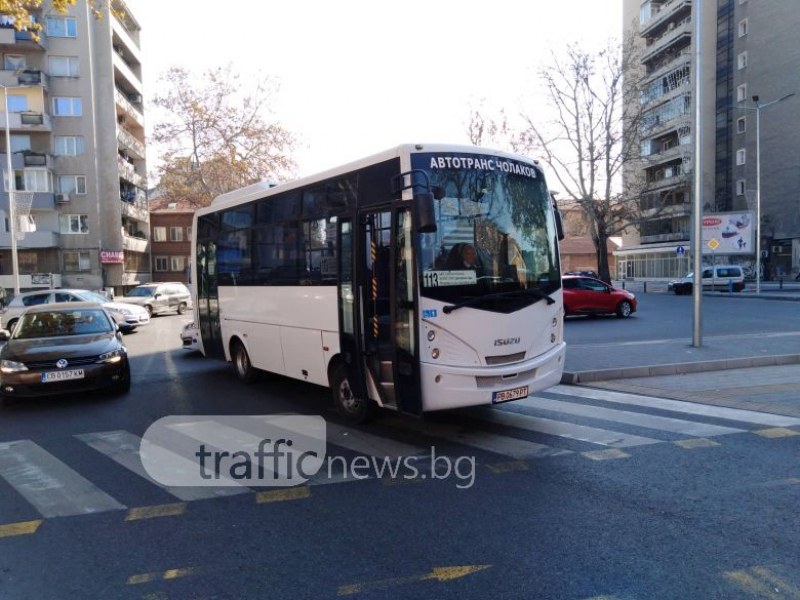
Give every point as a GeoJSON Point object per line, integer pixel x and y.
{"type": "Point", "coordinates": [645, 287]}
{"type": "Point", "coordinates": [781, 283]}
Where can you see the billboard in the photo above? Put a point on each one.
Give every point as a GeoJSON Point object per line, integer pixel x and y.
{"type": "Point", "coordinates": [729, 233]}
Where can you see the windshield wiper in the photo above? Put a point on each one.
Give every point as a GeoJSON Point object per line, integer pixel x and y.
{"type": "Point", "coordinates": [538, 294]}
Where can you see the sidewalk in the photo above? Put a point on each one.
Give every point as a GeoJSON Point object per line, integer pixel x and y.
{"type": "Point", "coordinates": [754, 372]}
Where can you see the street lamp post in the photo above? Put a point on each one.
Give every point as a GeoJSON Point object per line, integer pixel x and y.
{"type": "Point", "coordinates": [758, 108]}
{"type": "Point", "coordinates": [12, 216]}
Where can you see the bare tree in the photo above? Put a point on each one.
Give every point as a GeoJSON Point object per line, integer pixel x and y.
{"type": "Point", "coordinates": [216, 136]}
{"type": "Point", "coordinates": [592, 137]}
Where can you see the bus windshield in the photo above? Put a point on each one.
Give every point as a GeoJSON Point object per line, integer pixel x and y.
{"type": "Point", "coordinates": [495, 232]}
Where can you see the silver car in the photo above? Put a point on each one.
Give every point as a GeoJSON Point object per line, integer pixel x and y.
{"type": "Point", "coordinates": [158, 298]}
{"type": "Point", "coordinates": [127, 316]}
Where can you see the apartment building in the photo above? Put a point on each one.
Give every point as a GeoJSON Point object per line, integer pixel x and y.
{"type": "Point", "coordinates": [171, 235]}
{"type": "Point", "coordinates": [749, 52]}
{"type": "Point", "coordinates": [76, 123]}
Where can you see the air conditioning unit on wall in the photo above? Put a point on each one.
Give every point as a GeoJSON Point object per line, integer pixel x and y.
{"type": "Point", "coordinates": [62, 198]}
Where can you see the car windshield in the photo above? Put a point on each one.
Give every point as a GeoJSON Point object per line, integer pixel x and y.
{"type": "Point", "coordinates": [141, 292]}
{"type": "Point", "coordinates": [495, 230]}
{"type": "Point", "coordinates": [62, 323]}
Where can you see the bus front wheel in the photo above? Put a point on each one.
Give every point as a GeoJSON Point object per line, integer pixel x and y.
{"type": "Point", "coordinates": [355, 410]}
{"type": "Point", "coordinates": [245, 370]}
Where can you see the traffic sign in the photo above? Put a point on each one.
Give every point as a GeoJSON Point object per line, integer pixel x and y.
{"type": "Point", "coordinates": [713, 243]}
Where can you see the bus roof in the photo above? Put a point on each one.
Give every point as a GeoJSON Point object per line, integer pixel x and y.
{"type": "Point", "coordinates": [260, 189]}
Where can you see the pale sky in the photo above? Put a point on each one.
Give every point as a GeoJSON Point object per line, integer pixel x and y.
{"type": "Point", "coordinates": [358, 77]}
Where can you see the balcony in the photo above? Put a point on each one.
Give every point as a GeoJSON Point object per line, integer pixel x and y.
{"type": "Point", "coordinates": [668, 182]}
{"type": "Point", "coordinates": [129, 143]}
{"type": "Point", "coordinates": [22, 40]}
{"type": "Point", "coordinates": [667, 155]}
{"type": "Point", "coordinates": [128, 172]}
{"type": "Point", "coordinates": [128, 110]}
{"type": "Point", "coordinates": [30, 77]}
{"type": "Point", "coordinates": [667, 9]}
{"type": "Point", "coordinates": [680, 34]}
{"type": "Point", "coordinates": [678, 236]}
{"type": "Point", "coordinates": [133, 244]}
{"type": "Point", "coordinates": [137, 209]}
{"type": "Point", "coordinates": [124, 71]}
{"type": "Point", "coordinates": [32, 240]}
{"type": "Point", "coordinates": [27, 121]}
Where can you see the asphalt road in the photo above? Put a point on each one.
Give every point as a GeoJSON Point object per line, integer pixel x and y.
{"type": "Point", "coordinates": [574, 494]}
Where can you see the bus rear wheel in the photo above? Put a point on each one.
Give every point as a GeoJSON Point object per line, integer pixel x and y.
{"type": "Point", "coordinates": [245, 370]}
{"type": "Point", "coordinates": [353, 409]}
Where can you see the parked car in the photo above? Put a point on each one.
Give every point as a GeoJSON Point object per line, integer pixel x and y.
{"type": "Point", "coordinates": [718, 277]}
{"type": "Point", "coordinates": [158, 298]}
{"type": "Point", "coordinates": [127, 316]}
{"type": "Point", "coordinates": [190, 337]}
{"type": "Point", "coordinates": [590, 296]}
{"type": "Point", "coordinates": [62, 348]}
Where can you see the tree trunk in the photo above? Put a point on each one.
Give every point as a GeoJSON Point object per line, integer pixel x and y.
{"type": "Point", "coordinates": [600, 239]}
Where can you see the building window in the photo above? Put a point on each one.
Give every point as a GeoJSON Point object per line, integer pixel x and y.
{"type": "Point", "coordinates": [742, 60]}
{"type": "Point", "coordinates": [176, 234]}
{"type": "Point", "coordinates": [741, 93]}
{"type": "Point", "coordinates": [161, 263]}
{"type": "Point", "coordinates": [741, 124]}
{"type": "Point", "coordinates": [71, 224]}
{"type": "Point", "coordinates": [30, 180]}
{"type": "Point", "coordinates": [77, 260]}
{"type": "Point", "coordinates": [67, 107]}
{"type": "Point", "coordinates": [14, 62]}
{"type": "Point", "coordinates": [741, 156]}
{"type": "Point", "coordinates": [20, 143]}
{"type": "Point", "coordinates": [177, 264]}
{"type": "Point", "coordinates": [740, 187]}
{"type": "Point", "coordinates": [62, 66]}
{"type": "Point", "coordinates": [743, 28]}
{"type": "Point", "coordinates": [188, 233]}
{"type": "Point", "coordinates": [72, 184]}
{"type": "Point", "coordinates": [68, 145]}
{"type": "Point", "coordinates": [62, 27]}
{"type": "Point", "coordinates": [17, 103]}
{"type": "Point", "coordinates": [159, 234]}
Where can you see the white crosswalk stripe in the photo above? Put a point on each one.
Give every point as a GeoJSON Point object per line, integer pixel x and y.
{"type": "Point", "coordinates": [123, 448]}
{"type": "Point", "coordinates": [54, 489]}
{"type": "Point", "coordinates": [648, 421]}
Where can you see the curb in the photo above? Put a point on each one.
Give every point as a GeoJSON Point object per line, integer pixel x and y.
{"type": "Point", "coordinates": [574, 377]}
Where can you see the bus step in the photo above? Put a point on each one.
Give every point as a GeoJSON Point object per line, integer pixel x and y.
{"type": "Point", "coordinates": [387, 375]}
{"type": "Point", "coordinates": [388, 389]}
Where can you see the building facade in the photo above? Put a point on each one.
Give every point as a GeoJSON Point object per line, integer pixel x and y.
{"type": "Point", "coordinates": [76, 124]}
{"type": "Point", "coordinates": [749, 51]}
{"type": "Point", "coordinates": [171, 239]}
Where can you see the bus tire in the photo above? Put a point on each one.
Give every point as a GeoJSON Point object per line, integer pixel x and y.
{"type": "Point", "coordinates": [245, 371]}
{"type": "Point", "coordinates": [354, 410]}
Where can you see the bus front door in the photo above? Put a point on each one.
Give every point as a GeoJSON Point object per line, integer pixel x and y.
{"type": "Point", "coordinates": [208, 299]}
{"type": "Point", "coordinates": [385, 308]}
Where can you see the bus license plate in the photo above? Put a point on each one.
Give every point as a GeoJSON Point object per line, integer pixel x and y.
{"type": "Point", "coordinates": [51, 376]}
{"type": "Point", "coordinates": [506, 395]}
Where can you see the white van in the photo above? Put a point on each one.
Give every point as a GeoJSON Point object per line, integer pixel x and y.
{"type": "Point", "coordinates": [721, 278]}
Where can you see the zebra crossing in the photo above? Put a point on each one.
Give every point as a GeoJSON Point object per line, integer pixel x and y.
{"type": "Point", "coordinates": [564, 420]}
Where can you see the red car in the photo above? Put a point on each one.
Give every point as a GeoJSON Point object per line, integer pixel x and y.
{"type": "Point", "coordinates": [590, 296]}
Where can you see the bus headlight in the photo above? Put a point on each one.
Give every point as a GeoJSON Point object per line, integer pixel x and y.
{"type": "Point", "coordinates": [431, 335]}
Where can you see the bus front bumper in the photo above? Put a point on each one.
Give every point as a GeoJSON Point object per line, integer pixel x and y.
{"type": "Point", "coordinates": [445, 387]}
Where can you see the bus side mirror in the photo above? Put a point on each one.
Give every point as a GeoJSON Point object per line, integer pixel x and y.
{"type": "Point", "coordinates": [559, 224]}
{"type": "Point", "coordinates": [424, 213]}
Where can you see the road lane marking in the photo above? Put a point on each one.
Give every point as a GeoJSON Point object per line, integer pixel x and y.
{"type": "Point", "coordinates": [153, 512]}
{"type": "Point", "coordinates": [48, 484]}
{"type": "Point", "coordinates": [573, 431]}
{"type": "Point", "coordinates": [508, 467]}
{"type": "Point", "coordinates": [610, 454]}
{"type": "Point", "coordinates": [696, 443]}
{"type": "Point", "coordinates": [777, 432]}
{"type": "Point", "coordinates": [763, 583]}
{"type": "Point", "coordinates": [160, 575]}
{"type": "Point", "coordinates": [295, 493]}
{"type": "Point", "coordinates": [123, 448]}
{"type": "Point", "coordinates": [647, 421]}
{"type": "Point", "coordinates": [692, 408]}
{"type": "Point", "coordinates": [20, 528]}
{"type": "Point", "coordinates": [440, 574]}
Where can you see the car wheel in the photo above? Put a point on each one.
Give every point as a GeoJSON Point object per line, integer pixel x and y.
{"type": "Point", "coordinates": [245, 371]}
{"type": "Point", "coordinates": [181, 308]}
{"type": "Point", "coordinates": [624, 309]}
{"type": "Point", "coordinates": [149, 310]}
{"type": "Point", "coordinates": [354, 410]}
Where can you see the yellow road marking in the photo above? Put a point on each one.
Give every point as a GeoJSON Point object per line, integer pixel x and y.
{"type": "Point", "coordinates": [508, 467]}
{"type": "Point", "coordinates": [160, 575]}
{"type": "Point", "coordinates": [403, 480]}
{"type": "Point", "coordinates": [696, 443]}
{"type": "Point", "coordinates": [609, 454]}
{"type": "Point", "coordinates": [776, 432]}
{"type": "Point", "coordinates": [294, 493]}
{"type": "Point", "coordinates": [21, 528]}
{"type": "Point", "coordinates": [763, 583]}
{"type": "Point", "coordinates": [438, 573]}
{"type": "Point", "coordinates": [152, 512]}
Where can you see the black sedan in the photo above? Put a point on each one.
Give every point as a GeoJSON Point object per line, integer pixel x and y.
{"type": "Point", "coordinates": [63, 348]}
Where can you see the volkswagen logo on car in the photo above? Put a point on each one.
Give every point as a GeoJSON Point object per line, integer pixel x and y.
{"type": "Point", "coordinates": [62, 363]}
